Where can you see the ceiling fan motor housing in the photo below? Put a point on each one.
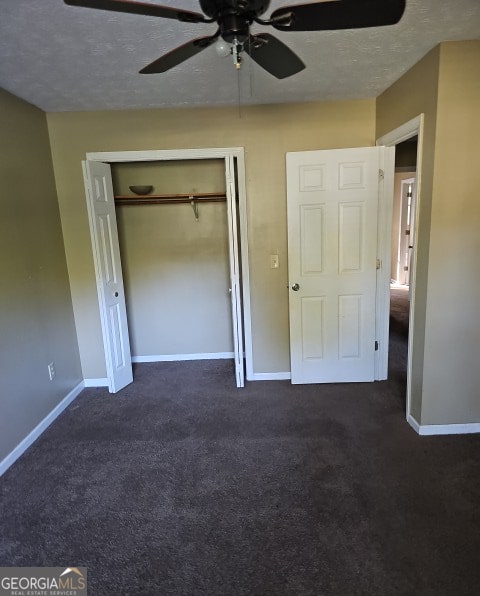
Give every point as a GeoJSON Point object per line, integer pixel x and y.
{"type": "Point", "coordinates": [234, 17]}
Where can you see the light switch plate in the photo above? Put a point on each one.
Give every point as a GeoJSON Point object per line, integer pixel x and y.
{"type": "Point", "coordinates": [274, 262]}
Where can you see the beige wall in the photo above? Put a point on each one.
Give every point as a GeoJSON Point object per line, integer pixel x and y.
{"type": "Point", "coordinates": [445, 87]}
{"type": "Point", "coordinates": [36, 319]}
{"type": "Point", "coordinates": [451, 388]}
{"type": "Point", "coordinates": [406, 155]}
{"type": "Point", "coordinates": [266, 132]}
{"type": "Point", "coordinates": [175, 268]}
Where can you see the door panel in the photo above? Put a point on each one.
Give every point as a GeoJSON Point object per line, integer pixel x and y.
{"type": "Point", "coordinates": [313, 327]}
{"type": "Point", "coordinates": [349, 326]}
{"type": "Point", "coordinates": [113, 314]}
{"type": "Point", "coordinates": [332, 199]}
{"type": "Point", "coordinates": [235, 289]}
{"type": "Point", "coordinates": [312, 236]}
{"type": "Point", "coordinates": [350, 235]}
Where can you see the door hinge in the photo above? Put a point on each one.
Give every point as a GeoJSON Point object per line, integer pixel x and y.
{"type": "Point", "coordinates": [381, 174]}
{"type": "Point", "coordinates": [379, 264]}
{"type": "Point", "coordinates": [376, 346]}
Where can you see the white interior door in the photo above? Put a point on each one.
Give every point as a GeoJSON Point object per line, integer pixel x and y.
{"type": "Point", "coordinates": [113, 314]}
{"type": "Point", "coordinates": [332, 199]}
{"type": "Point", "coordinates": [235, 291]}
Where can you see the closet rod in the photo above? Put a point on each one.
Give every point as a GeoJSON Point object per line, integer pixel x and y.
{"type": "Point", "coordinates": [170, 199]}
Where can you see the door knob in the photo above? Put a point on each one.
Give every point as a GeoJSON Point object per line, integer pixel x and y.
{"type": "Point", "coordinates": [295, 287]}
{"type": "Point", "coordinates": [115, 294]}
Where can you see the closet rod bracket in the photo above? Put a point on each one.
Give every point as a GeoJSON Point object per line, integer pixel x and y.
{"type": "Point", "coordinates": [194, 205]}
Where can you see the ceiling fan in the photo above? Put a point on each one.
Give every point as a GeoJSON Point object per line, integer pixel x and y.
{"type": "Point", "coordinates": [234, 18]}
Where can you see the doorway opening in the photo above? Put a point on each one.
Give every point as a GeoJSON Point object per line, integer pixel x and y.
{"type": "Point", "coordinates": [404, 209]}
{"type": "Point", "coordinates": [403, 239]}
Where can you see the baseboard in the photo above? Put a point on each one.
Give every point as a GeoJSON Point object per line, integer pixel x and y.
{"type": "Point", "coordinates": [96, 382]}
{"type": "Point", "coordinates": [444, 429]}
{"type": "Point", "coordinates": [177, 357]}
{"type": "Point", "coordinates": [413, 423]}
{"type": "Point", "coordinates": [272, 376]}
{"type": "Point", "coordinates": [39, 429]}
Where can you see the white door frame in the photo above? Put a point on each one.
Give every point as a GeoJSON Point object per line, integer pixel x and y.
{"type": "Point", "coordinates": [404, 132]}
{"type": "Point", "coordinates": [384, 250]}
{"type": "Point", "coordinates": [210, 153]}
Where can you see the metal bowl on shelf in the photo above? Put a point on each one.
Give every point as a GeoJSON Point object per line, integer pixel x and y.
{"type": "Point", "coordinates": [141, 189]}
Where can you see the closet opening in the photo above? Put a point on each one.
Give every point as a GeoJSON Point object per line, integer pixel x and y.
{"type": "Point", "coordinates": [172, 255]}
{"type": "Point", "coordinates": [175, 259]}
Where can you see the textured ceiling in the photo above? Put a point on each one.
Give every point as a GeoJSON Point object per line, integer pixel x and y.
{"type": "Point", "coordinates": [64, 58]}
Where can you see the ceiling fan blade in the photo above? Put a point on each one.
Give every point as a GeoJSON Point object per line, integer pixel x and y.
{"type": "Point", "coordinates": [179, 55]}
{"type": "Point", "coordinates": [338, 14]}
{"type": "Point", "coordinates": [273, 55]}
{"type": "Point", "coordinates": [143, 8]}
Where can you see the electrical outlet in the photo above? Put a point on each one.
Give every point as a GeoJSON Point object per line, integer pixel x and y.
{"type": "Point", "coordinates": [51, 371]}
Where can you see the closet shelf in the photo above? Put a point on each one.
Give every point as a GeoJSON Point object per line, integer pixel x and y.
{"type": "Point", "coordinates": [213, 197]}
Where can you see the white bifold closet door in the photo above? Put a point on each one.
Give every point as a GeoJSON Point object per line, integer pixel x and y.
{"type": "Point", "coordinates": [235, 282]}
{"type": "Point", "coordinates": [108, 270]}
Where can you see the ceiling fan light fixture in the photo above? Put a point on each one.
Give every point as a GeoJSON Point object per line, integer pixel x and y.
{"type": "Point", "coordinates": [222, 48]}
{"type": "Point", "coordinates": [225, 48]}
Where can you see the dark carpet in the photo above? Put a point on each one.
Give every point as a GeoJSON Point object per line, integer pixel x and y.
{"type": "Point", "coordinates": [183, 485]}
{"type": "Point", "coordinates": [399, 309]}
